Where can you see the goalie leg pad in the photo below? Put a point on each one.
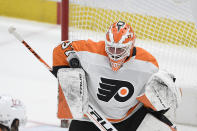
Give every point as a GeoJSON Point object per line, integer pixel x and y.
{"type": "Point", "coordinates": [74, 86]}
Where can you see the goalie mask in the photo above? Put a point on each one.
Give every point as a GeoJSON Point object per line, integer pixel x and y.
{"type": "Point", "coordinates": [119, 41]}
{"type": "Point", "coordinates": [11, 109]}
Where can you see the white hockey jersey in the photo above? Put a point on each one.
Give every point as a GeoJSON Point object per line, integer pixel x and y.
{"type": "Point", "coordinates": [113, 93]}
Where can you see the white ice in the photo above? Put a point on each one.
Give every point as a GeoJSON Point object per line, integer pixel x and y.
{"type": "Point", "coordinates": [23, 76]}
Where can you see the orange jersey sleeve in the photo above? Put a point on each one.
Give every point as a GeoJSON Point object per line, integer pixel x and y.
{"type": "Point", "coordinates": [61, 52]}
{"type": "Point", "coordinates": [59, 58]}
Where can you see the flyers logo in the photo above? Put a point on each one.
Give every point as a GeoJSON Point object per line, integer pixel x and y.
{"type": "Point", "coordinates": [120, 90]}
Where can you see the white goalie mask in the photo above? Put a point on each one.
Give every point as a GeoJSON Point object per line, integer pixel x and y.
{"type": "Point", "coordinates": [119, 41]}
{"type": "Point", "coordinates": [11, 109]}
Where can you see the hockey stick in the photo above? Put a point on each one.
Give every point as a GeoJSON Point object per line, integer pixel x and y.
{"type": "Point", "coordinates": [12, 31]}
{"type": "Point", "coordinates": [94, 114]}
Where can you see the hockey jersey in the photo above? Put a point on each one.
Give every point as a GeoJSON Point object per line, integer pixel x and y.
{"type": "Point", "coordinates": [112, 92]}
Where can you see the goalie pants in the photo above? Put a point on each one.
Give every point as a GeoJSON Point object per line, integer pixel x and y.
{"type": "Point", "coordinates": [130, 124]}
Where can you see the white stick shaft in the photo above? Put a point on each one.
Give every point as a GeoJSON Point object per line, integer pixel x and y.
{"type": "Point", "coordinates": [12, 30]}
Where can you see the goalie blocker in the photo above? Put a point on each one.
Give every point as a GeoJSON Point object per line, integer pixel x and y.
{"type": "Point", "coordinates": [74, 87]}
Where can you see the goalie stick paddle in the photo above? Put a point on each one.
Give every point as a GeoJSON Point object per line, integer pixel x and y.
{"type": "Point", "coordinates": [93, 114]}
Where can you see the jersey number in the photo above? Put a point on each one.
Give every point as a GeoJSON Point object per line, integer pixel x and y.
{"type": "Point", "coordinates": [65, 45]}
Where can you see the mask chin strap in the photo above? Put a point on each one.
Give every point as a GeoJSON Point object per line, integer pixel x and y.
{"type": "Point", "coordinates": [134, 52]}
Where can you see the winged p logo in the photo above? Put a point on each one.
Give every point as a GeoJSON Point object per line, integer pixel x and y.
{"type": "Point", "coordinates": [120, 90]}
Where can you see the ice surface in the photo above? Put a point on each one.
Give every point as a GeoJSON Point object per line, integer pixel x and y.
{"type": "Point", "coordinates": [24, 77]}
